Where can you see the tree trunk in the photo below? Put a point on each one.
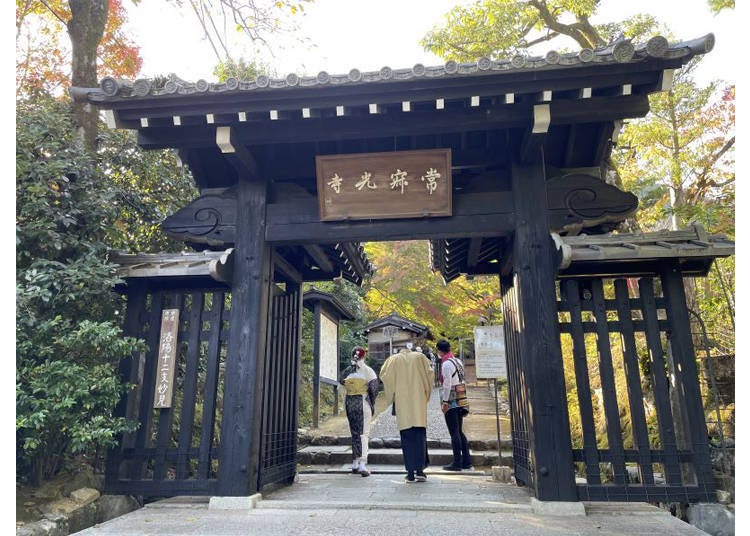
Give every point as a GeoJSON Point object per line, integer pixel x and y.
{"type": "Point", "coordinates": [86, 28]}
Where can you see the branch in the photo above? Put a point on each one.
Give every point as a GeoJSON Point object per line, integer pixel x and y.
{"type": "Point", "coordinates": [589, 31]}
{"type": "Point", "coordinates": [548, 37]}
{"type": "Point", "coordinates": [701, 180]}
{"type": "Point", "coordinates": [202, 22]}
{"type": "Point", "coordinates": [54, 13]}
{"type": "Point", "coordinates": [555, 25]}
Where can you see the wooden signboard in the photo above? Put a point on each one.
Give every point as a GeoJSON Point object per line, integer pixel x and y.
{"type": "Point", "coordinates": [329, 353]}
{"type": "Point", "coordinates": [404, 184]}
{"type": "Point", "coordinates": [170, 321]}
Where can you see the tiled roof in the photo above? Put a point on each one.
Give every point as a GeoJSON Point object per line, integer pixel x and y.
{"type": "Point", "coordinates": [623, 51]}
{"type": "Point", "coordinates": [686, 245]}
{"type": "Point", "coordinates": [394, 319]}
{"type": "Point", "coordinates": [314, 295]}
{"type": "Point", "coordinates": [211, 265]}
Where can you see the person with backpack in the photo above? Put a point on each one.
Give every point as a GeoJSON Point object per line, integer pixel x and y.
{"type": "Point", "coordinates": [451, 376]}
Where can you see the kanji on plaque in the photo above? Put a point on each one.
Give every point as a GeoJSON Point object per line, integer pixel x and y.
{"type": "Point", "coordinates": [170, 322]}
{"type": "Point", "coordinates": [335, 183]}
{"type": "Point", "coordinates": [399, 184]}
{"type": "Point", "coordinates": [366, 180]}
{"type": "Point", "coordinates": [430, 178]}
{"type": "Point", "coordinates": [398, 180]}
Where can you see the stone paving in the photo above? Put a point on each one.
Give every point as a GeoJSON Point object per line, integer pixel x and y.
{"type": "Point", "coordinates": [386, 505]}
{"type": "Point", "coordinates": [384, 425]}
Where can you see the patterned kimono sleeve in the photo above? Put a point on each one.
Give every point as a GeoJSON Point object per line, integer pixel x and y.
{"type": "Point", "coordinates": [372, 392]}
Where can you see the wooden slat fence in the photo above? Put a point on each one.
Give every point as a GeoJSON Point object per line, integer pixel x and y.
{"type": "Point", "coordinates": [636, 435]}
{"type": "Point", "coordinates": [174, 450]}
{"type": "Point", "coordinates": [278, 462]}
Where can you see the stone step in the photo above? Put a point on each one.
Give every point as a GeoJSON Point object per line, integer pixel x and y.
{"type": "Point", "coordinates": [342, 454]}
{"type": "Point", "coordinates": [395, 442]}
{"type": "Point", "coordinates": [385, 490]}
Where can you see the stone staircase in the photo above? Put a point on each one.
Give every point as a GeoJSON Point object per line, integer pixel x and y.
{"type": "Point", "coordinates": [332, 452]}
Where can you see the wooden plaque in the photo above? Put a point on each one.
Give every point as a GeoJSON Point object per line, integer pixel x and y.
{"type": "Point", "coordinates": [170, 321]}
{"type": "Point", "coordinates": [405, 184]}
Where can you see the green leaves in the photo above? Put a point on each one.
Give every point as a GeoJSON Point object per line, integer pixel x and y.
{"type": "Point", "coordinates": [72, 206]}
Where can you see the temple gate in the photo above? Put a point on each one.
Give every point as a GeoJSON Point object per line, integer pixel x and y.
{"type": "Point", "coordinates": [524, 144]}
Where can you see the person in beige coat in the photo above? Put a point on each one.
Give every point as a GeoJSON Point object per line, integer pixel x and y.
{"type": "Point", "coordinates": [407, 379]}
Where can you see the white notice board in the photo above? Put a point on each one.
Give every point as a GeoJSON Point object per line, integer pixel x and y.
{"type": "Point", "coordinates": [489, 350]}
{"type": "Point", "coordinates": [329, 354]}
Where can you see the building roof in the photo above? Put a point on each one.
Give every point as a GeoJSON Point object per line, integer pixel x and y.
{"type": "Point", "coordinates": [205, 268]}
{"type": "Point", "coordinates": [394, 319]}
{"type": "Point", "coordinates": [312, 296]}
{"type": "Point", "coordinates": [692, 250]}
{"type": "Point", "coordinates": [624, 51]}
{"type": "Point", "coordinates": [487, 112]}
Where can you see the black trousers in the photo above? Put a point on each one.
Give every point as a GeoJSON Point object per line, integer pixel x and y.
{"type": "Point", "coordinates": [454, 419]}
{"type": "Point", "coordinates": [414, 448]}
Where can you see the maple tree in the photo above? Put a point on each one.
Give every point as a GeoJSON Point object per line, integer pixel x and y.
{"type": "Point", "coordinates": [403, 282]}
{"type": "Point", "coordinates": [95, 36]}
{"type": "Point", "coordinates": [43, 48]}
{"type": "Point", "coordinates": [679, 160]}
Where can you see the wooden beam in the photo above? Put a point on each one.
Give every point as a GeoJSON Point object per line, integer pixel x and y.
{"type": "Point", "coordinates": [288, 271]}
{"type": "Point", "coordinates": [319, 256]}
{"type": "Point", "coordinates": [236, 153]}
{"type": "Point", "coordinates": [485, 214]}
{"type": "Point", "coordinates": [402, 124]}
{"type": "Point", "coordinates": [475, 246]}
{"type": "Point", "coordinates": [533, 139]}
{"type": "Point", "coordinates": [570, 147]}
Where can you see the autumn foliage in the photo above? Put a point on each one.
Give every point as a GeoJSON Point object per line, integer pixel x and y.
{"type": "Point", "coordinates": [43, 51]}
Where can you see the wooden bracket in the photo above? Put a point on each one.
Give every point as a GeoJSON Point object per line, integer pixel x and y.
{"type": "Point", "coordinates": [236, 153]}
{"type": "Point", "coordinates": [320, 258]}
{"type": "Point", "coordinates": [533, 139]}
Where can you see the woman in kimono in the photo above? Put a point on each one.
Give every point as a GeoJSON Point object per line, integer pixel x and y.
{"type": "Point", "coordinates": [362, 387]}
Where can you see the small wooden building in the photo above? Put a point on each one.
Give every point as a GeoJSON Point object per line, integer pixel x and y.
{"type": "Point", "coordinates": [501, 164]}
{"type": "Point", "coordinates": [389, 334]}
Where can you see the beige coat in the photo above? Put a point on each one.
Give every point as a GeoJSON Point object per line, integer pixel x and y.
{"type": "Point", "coordinates": [407, 379]}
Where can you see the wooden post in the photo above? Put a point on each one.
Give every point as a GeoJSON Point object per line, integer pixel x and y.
{"type": "Point", "coordinates": [687, 380]}
{"type": "Point", "coordinates": [241, 422]}
{"type": "Point", "coordinates": [127, 370]}
{"type": "Point", "coordinates": [534, 267]}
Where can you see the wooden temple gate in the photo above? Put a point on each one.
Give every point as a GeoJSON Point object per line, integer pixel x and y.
{"type": "Point", "coordinates": [526, 143]}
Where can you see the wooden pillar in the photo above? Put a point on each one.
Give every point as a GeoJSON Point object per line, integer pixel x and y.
{"type": "Point", "coordinates": [241, 422]}
{"type": "Point", "coordinates": [127, 371]}
{"type": "Point", "coordinates": [686, 380]}
{"type": "Point", "coordinates": [534, 270]}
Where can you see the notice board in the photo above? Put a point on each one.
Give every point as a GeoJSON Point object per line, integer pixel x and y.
{"type": "Point", "coordinates": [489, 351]}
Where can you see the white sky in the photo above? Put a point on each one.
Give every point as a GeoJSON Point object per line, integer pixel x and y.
{"type": "Point", "coordinates": [344, 34]}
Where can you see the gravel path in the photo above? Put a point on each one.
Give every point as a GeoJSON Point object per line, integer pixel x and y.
{"type": "Point", "coordinates": [384, 425]}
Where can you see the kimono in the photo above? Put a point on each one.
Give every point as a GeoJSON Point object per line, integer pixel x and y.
{"type": "Point", "coordinates": [362, 386]}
